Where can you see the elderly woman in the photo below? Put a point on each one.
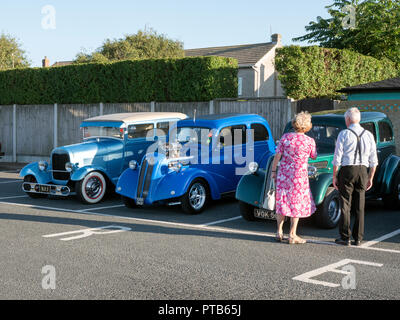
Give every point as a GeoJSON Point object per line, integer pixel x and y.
{"type": "Point", "coordinates": [293, 194]}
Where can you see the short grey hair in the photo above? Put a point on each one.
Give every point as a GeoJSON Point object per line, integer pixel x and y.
{"type": "Point", "coordinates": [354, 115]}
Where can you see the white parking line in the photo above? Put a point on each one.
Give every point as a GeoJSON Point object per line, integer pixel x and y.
{"type": "Point", "coordinates": [380, 239]}
{"type": "Point", "coordinates": [102, 208]}
{"type": "Point", "coordinates": [12, 181]}
{"type": "Point", "coordinates": [222, 221]}
{"type": "Point", "coordinates": [207, 226]}
{"type": "Point", "coordinates": [13, 197]}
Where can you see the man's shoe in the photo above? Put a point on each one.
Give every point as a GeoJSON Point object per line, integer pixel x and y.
{"type": "Point", "coordinates": [357, 243]}
{"type": "Point", "coordinates": [343, 242]}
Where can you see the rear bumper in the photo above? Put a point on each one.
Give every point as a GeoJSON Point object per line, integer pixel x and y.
{"type": "Point", "coordinates": [49, 189]}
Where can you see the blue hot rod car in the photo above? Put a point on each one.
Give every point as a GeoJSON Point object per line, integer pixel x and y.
{"type": "Point", "coordinates": [92, 167]}
{"type": "Point", "coordinates": [203, 159]}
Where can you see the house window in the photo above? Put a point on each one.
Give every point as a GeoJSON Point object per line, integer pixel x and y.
{"type": "Point", "coordinates": [240, 86]}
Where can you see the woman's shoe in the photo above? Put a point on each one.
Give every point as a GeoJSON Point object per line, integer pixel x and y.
{"type": "Point", "coordinates": [279, 237]}
{"type": "Point", "coordinates": [297, 240]}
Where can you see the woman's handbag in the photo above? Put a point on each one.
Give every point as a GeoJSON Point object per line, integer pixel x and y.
{"type": "Point", "coordinates": [270, 200]}
{"type": "Point", "coordinates": [270, 193]}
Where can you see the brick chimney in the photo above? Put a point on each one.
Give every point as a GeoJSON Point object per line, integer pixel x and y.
{"type": "Point", "coordinates": [45, 62]}
{"type": "Point", "coordinates": [276, 38]}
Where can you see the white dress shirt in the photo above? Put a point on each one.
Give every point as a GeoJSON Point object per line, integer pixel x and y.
{"type": "Point", "coordinates": [346, 146]}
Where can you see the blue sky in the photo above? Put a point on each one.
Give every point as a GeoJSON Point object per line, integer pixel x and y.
{"type": "Point", "coordinates": [86, 24]}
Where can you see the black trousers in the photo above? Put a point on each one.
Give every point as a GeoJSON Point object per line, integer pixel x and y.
{"type": "Point", "coordinates": [352, 186]}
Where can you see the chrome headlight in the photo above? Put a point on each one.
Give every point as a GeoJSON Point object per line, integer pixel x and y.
{"type": "Point", "coordinates": [176, 166]}
{"type": "Point", "coordinates": [133, 164]}
{"type": "Point", "coordinates": [43, 165]}
{"type": "Point", "coordinates": [69, 167]}
{"type": "Point", "coordinates": [312, 171]}
{"type": "Point", "coordinates": [253, 167]}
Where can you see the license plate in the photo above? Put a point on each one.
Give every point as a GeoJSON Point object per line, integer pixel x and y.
{"type": "Point", "coordinates": [264, 214]}
{"type": "Point", "coordinates": [139, 201]}
{"type": "Point", "coordinates": [44, 189]}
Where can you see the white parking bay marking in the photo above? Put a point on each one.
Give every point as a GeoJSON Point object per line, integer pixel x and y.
{"type": "Point", "coordinates": [103, 208]}
{"type": "Point", "coordinates": [88, 232]}
{"type": "Point", "coordinates": [380, 239]}
{"type": "Point", "coordinates": [222, 221]}
{"type": "Point", "coordinates": [12, 197]}
{"type": "Point", "coordinates": [307, 277]}
{"type": "Point", "coordinates": [10, 181]}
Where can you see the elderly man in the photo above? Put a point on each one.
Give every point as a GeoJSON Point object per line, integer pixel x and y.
{"type": "Point", "coordinates": [355, 153]}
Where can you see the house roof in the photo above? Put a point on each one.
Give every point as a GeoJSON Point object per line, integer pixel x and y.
{"type": "Point", "coordinates": [385, 85]}
{"type": "Point", "coordinates": [62, 63]}
{"type": "Point", "coordinates": [137, 116]}
{"type": "Point", "coordinates": [245, 54]}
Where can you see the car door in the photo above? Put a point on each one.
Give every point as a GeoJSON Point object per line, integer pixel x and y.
{"type": "Point", "coordinates": [260, 138]}
{"type": "Point", "coordinates": [232, 141]}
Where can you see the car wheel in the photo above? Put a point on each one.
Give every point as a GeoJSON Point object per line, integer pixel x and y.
{"type": "Point", "coordinates": [247, 211]}
{"type": "Point", "coordinates": [129, 203]}
{"type": "Point", "coordinates": [196, 198]}
{"type": "Point", "coordinates": [329, 211]}
{"type": "Point", "coordinates": [92, 188]}
{"type": "Point", "coordinates": [392, 200]}
{"type": "Point", "coordinates": [34, 195]}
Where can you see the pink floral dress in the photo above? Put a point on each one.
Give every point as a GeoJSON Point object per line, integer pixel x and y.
{"type": "Point", "coordinates": [293, 194]}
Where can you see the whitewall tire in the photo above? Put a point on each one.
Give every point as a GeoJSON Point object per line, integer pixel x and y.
{"type": "Point", "coordinates": [92, 188]}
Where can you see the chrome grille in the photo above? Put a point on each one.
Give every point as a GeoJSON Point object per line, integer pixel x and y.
{"type": "Point", "coordinates": [145, 175]}
{"type": "Point", "coordinates": [58, 162]}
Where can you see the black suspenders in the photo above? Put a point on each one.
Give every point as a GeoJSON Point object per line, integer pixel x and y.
{"type": "Point", "coordinates": [358, 149]}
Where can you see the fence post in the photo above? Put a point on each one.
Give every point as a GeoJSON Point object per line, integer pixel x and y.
{"type": "Point", "coordinates": [55, 129]}
{"type": "Point", "coordinates": [152, 106]}
{"type": "Point", "coordinates": [211, 110]}
{"type": "Point", "coordinates": [101, 108]}
{"type": "Point", "coordinates": [14, 133]}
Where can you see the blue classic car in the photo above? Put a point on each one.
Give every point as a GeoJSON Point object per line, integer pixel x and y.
{"type": "Point", "coordinates": [203, 159]}
{"type": "Point", "coordinates": [92, 167]}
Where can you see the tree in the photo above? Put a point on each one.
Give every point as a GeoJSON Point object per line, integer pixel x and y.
{"type": "Point", "coordinates": [376, 29]}
{"type": "Point", "coordinates": [147, 44]}
{"type": "Point", "coordinates": [11, 54]}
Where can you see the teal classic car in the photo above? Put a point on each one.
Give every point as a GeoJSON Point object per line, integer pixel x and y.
{"type": "Point", "coordinates": [326, 127]}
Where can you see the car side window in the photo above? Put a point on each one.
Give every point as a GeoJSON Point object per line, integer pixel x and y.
{"type": "Point", "coordinates": [140, 130]}
{"type": "Point", "coordinates": [370, 126]}
{"type": "Point", "coordinates": [231, 135]}
{"type": "Point", "coordinates": [260, 132]}
{"type": "Point", "coordinates": [162, 128]}
{"type": "Point", "coordinates": [385, 132]}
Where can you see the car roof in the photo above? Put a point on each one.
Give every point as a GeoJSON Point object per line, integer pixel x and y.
{"type": "Point", "coordinates": [332, 116]}
{"type": "Point", "coordinates": [217, 120]}
{"type": "Point", "coordinates": [137, 116]}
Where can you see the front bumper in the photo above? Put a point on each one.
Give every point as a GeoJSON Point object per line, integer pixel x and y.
{"type": "Point", "coordinates": [49, 189]}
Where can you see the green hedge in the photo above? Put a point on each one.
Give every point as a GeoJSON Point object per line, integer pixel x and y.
{"type": "Point", "coordinates": [315, 72]}
{"type": "Point", "coordinates": [179, 80]}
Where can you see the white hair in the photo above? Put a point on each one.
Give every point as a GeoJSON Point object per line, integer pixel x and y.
{"type": "Point", "coordinates": [354, 115]}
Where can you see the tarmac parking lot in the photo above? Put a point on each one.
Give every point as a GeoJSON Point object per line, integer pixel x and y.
{"type": "Point", "coordinates": [58, 248]}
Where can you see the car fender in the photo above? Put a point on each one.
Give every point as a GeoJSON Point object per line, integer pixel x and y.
{"type": "Point", "coordinates": [387, 173]}
{"type": "Point", "coordinates": [32, 169]}
{"type": "Point", "coordinates": [176, 184]}
{"type": "Point", "coordinates": [251, 187]}
{"type": "Point", "coordinates": [81, 173]}
{"type": "Point", "coordinates": [127, 183]}
{"type": "Point", "coordinates": [319, 185]}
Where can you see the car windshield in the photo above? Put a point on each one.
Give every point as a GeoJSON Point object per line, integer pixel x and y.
{"type": "Point", "coordinates": [194, 135]}
{"type": "Point", "coordinates": [110, 132]}
{"type": "Point", "coordinates": [325, 137]}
